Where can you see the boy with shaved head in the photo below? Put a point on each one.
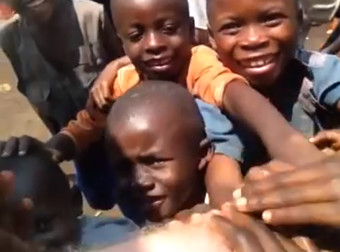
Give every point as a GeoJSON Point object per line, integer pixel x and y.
{"type": "Point", "coordinates": [160, 157]}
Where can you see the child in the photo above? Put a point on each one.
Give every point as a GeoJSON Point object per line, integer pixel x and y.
{"type": "Point", "coordinates": [159, 165]}
{"type": "Point", "coordinates": [57, 48]}
{"type": "Point", "coordinates": [258, 40]}
{"type": "Point", "coordinates": [56, 212]}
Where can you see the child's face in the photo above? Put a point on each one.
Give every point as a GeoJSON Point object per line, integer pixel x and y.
{"type": "Point", "coordinates": [156, 167]}
{"type": "Point", "coordinates": [256, 39]}
{"type": "Point", "coordinates": [156, 35]}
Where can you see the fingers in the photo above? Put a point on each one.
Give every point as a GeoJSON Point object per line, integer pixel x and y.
{"type": "Point", "coordinates": [319, 191]}
{"type": "Point", "coordinates": [326, 139]}
{"type": "Point", "coordinates": [265, 237]}
{"type": "Point", "coordinates": [318, 214]}
{"type": "Point", "coordinates": [272, 182]}
{"type": "Point", "coordinates": [261, 172]}
{"type": "Point", "coordinates": [10, 147]}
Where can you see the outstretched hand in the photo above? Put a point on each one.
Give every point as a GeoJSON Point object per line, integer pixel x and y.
{"type": "Point", "coordinates": [288, 195]}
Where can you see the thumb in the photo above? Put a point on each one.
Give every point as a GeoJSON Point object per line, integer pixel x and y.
{"type": "Point", "coordinates": [325, 138]}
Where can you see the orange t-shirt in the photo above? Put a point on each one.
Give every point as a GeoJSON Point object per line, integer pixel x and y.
{"type": "Point", "coordinates": [206, 78]}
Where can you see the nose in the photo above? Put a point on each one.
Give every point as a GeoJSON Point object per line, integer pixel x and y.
{"type": "Point", "coordinates": [143, 179]}
{"type": "Point", "coordinates": [254, 38]}
{"type": "Point", "coordinates": [154, 43]}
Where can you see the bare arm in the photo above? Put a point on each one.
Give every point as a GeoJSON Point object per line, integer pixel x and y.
{"type": "Point", "coordinates": [280, 139]}
{"type": "Point", "coordinates": [222, 177]}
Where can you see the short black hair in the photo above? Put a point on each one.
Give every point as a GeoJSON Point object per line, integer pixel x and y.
{"type": "Point", "coordinates": [36, 174]}
{"type": "Point", "coordinates": [209, 4]}
{"type": "Point", "coordinates": [183, 4]}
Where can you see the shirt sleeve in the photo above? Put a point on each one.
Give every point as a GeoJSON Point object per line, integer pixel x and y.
{"type": "Point", "coordinates": [90, 123]}
{"type": "Point", "coordinates": [207, 77]}
{"type": "Point", "coordinates": [220, 131]}
{"type": "Point", "coordinates": [88, 127]}
{"type": "Point", "coordinates": [325, 69]}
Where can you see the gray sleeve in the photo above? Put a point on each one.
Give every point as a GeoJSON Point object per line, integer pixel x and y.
{"type": "Point", "coordinates": [220, 131]}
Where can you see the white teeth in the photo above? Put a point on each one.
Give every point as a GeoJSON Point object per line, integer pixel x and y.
{"type": "Point", "coordinates": [258, 63]}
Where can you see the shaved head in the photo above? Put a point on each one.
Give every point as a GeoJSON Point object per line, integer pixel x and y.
{"type": "Point", "coordinates": [165, 102]}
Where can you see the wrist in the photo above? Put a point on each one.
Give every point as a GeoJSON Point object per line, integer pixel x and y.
{"type": "Point", "coordinates": [62, 147]}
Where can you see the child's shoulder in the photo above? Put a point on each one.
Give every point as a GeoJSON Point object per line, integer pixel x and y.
{"type": "Point", "coordinates": [203, 50]}
{"type": "Point", "coordinates": [324, 70]}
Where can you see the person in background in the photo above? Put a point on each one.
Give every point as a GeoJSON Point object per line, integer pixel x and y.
{"type": "Point", "coordinates": [57, 49]}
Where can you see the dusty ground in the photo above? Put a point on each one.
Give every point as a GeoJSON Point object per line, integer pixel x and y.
{"type": "Point", "coordinates": [18, 118]}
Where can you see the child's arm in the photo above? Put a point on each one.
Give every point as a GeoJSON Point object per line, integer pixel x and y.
{"type": "Point", "coordinates": [280, 139]}
{"type": "Point", "coordinates": [222, 177]}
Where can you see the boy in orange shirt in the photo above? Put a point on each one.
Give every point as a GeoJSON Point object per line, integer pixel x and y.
{"type": "Point", "coordinates": [157, 37]}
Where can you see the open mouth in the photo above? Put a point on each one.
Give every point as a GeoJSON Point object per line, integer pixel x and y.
{"type": "Point", "coordinates": [258, 62]}
{"type": "Point", "coordinates": [260, 65]}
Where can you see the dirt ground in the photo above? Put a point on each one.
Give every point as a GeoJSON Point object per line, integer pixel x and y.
{"type": "Point", "coordinates": [18, 118]}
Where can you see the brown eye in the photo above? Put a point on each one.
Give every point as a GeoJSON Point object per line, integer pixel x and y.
{"type": "Point", "coordinates": [135, 35]}
{"type": "Point", "coordinates": [273, 20]}
{"type": "Point", "coordinates": [169, 29]}
{"type": "Point", "coordinates": [231, 28]}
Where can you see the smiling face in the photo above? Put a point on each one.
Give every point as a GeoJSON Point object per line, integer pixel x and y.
{"type": "Point", "coordinates": [158, 158]}
{"type": "Point", "coordinates": [156, 35]}
{"type": "Point", "coordinates": [256, 39]}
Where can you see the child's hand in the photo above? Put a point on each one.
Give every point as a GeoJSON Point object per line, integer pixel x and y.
{"type": "Point", "coordinates": [21, 145]}
{"type": "Point", "coordinates": [327, 139]}
{"type": "Point", "coordinates": [102, 89]}
{"type": "Point", "coordinates": [290, 195]}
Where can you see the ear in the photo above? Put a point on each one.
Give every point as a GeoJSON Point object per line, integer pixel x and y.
{"type": "Point", "coordinates": [77, 200]}
{"type": "Point", "coordinates": [211, 39]}
{"type": "Point", "coordinates": [207, 151]}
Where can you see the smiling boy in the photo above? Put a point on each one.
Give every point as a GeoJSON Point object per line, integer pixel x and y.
{"type": "Point", "coordinates": [258, 40]}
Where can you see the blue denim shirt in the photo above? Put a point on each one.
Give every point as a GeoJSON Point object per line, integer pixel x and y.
{"type": "Point", "coordinates": [308, 108]}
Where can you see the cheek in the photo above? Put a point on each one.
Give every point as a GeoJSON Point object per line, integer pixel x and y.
{"type": "Point", "coordinates": [133, 51]}
{"type": "Point", "coordinates": [286, 38]}
{"type": "Point", "coordinates": [225, 47]}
